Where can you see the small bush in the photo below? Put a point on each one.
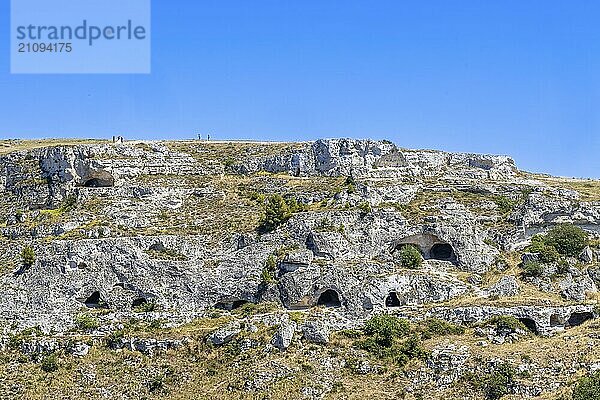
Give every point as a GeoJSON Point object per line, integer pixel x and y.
{"type": "Point", "coordinates": [350, 185]}
{"type": "Point", "coordinates": [587, 387]}
{"type": "Point", "coordinates": [410, 257]}
{"type": "Point", "coordinates": [277, 212]}
{"type": "Point", "coordinates": [86, 322]}
{"type": "Point", "coordinates": [437, 327]}
{"type": "Point", "coordinates": [27, 256]}
{"type": "Point", "coordinates": [506, 322]}
{"type": "Point", "coordinates": [532, 268]}
{"type": "Point", "coordinates": [49, 363]}
{"type": "Point", "coordinates": [567, 239]}
{"type": "Point", "coordinates": [505, 204]}
{"type": "Point", "coordinates": [497, 383]}
{"type": "Point", "coordinates": [68, 204]}
{"type": "Point", "coordinates": [114, 339]}
{"type": "Point", "coordinates": [350, 333]}
{"type": "Point", "coordinates": [546, 253]}
{"type": "Point", "coordinates": [269, 270]}
{"type": "Point", "coordinates": [385, 328]}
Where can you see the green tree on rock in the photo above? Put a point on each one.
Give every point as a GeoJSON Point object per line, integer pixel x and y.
{"type": "Point", "coordinates": [277, 212]}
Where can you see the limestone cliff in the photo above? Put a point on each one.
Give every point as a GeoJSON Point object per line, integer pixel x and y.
{"type": "Point", "coordinates": [172, 231]}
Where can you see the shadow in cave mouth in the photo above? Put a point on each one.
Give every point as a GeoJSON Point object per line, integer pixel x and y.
{"type": "Point", "coordinates": [329, 298]}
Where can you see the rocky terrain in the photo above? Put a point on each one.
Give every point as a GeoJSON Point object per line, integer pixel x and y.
{"type": "Point", "coordinates": [338, 269]}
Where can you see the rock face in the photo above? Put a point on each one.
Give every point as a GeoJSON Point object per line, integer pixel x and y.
{"type": "Point", "coordinates": [114, 256]}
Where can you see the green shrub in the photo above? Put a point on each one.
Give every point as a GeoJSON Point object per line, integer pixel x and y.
{"type": "Point", "coordinates": [294, 206]}
{"type": "Point", "coordinates": [350, 185]}
{"type": "Point", "coordinates": [68, 204]}
{"type": "Point", "coordinates": [86, 322]}
{"type": "Point", "coordinates": [505, 204]}
{"type": "Point", "coordinates": [437, 327]}
{"type": "Point", "coordinates": [546, 253]}
{"type": "Point", "coordinates": [498, 382]}
{"type": "Point", "coordinates": [27, 256]}
{"type": "Point", "coordinates": [410, 257]}
{"type": "Point", "coordinates": [49, 363]}
{"type": "Point", "coordinates": [114, 339]}
{"type": "Point", "coordinates": [278, 210]}
{"type": "Point", "coordinates": [532, 268]}
{"type": "Point", "coordinates": [587, 387]}
{"type": "Point", "coordinates": [276, 213]}
{"type": "Point", "coordinates": [385, 328]}
{"type": "Point", "coordinates": [505, 322]}
{"type": "Point", "coordinates": [269, 270]}
{"type": "Point", "coordinates": [567, 239]}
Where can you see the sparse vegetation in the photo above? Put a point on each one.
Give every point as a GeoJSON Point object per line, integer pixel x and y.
{"type": "Point", "coordinates": [532, 269]}
{"type": "Point", "coordinates": [365, 208]}
{"type": "Point", "coordinates": [436, 327]}
{"type": "Point", "coordinates": [145, 306]}
{"type": "Point", "coordinates": [505, 322]}
{"type": "Point", "coordinates": [587, 387]}
{"type": "Point", "coordinates": [27, 257]}
{"type": "Point", "coordinates": [505, 205]}
{"type": "Point", "coordinates": [269, 270]}
{"type": "Point", "coordinates": [86, 322]}
{"type": "Point", "coordinates": [49, 363]}
{"type": "Point", "coordinates": [278, 210]}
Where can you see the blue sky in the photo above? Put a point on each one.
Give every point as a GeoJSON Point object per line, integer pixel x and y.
{"type": "Point", "coordinates": [513, 77]}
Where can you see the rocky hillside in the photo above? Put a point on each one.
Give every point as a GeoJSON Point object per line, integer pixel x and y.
{"type": "Point", "coordinates": [329, 269]}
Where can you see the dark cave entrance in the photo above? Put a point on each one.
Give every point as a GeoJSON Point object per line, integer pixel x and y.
{"type": "Point", "coordinates": [443, 252]}
{"type": "Point", "coordinates": [578, 318]}
{"type": "Point", "coordinates": [95, 301]}
{"type": "Point", "coordinates": [138, 302]}
{"type": "Point", "coordinates": [99, 182]}
{"type": "Point", "coordinates": [392, 300]}
{"type": "Point", "coordinates": [329, 298]}
{"type": "Point", "coordinates": [230, 305]}
{"type": "Point", "coordinates": [529, 324]}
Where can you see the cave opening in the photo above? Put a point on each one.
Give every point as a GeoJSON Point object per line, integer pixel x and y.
{"type": "Point", "coordinates": [140, 301]}
{"type": "Point", "coordinates": [555, 320]}
{"type": "Point", "coordinates": [442, 251]}
{"type": "Point", "coordinates": [230, 305]}
{"type": "Point", "coordinates": [99, 182]}
{"type": "Point", "coordinates": [95, 301]}
{"type": "Point", "coordinates": [529, 324]}
{"type": "Point", "coordinates": [392, 300]}
{"type": "Point", "coordinates": [329, 298]}
{"type": "Point", "coordinates": [578, 318]}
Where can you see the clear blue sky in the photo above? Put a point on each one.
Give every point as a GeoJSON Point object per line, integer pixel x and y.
{"type": "Point", "coordinates": [513, 77]}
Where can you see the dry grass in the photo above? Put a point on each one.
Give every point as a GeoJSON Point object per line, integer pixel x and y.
{"type": "Point", "coordinates": [9, 146]}
{"type": "Point", "coordinates": [588, 189]}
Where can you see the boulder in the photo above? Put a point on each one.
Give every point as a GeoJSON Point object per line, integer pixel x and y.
{"type": "Point", "coordinates": [284, 335]}
{"type": "Point", "coordinates": [315, 332]}
{"type": "Point", "coordinates": [507, 286]}
{"type": "Point", "coordinates": [224, 334]}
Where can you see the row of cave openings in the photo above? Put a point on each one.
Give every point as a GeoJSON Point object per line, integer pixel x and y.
{"type": "Point", "coordinates": [328, 298]}
{"type": "Point", "coordinates": [95, 301]}
{"type": "Point", "coordinates": [575, 319]}
{"type": "Point", "coordinates": [430, 246]}
{"type": "Point", "coordinates": [331, 298]}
